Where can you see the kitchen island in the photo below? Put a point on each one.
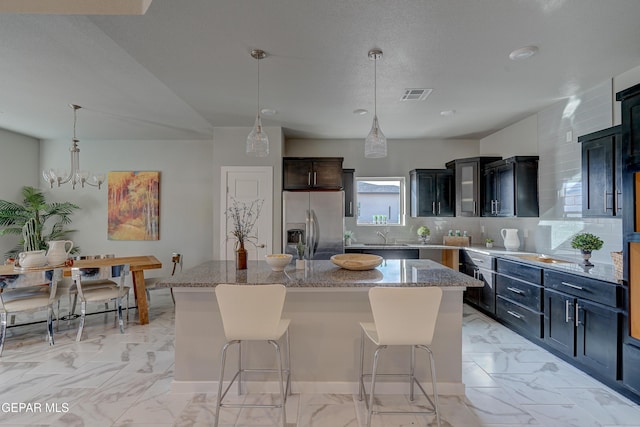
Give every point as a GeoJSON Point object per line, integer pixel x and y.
{"type": "Point", "coordinates": [325, 304]}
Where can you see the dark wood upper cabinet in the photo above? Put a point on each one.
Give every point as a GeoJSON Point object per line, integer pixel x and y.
{"type": "Point", "coordinates": [511, 187]}
{"type": "Point", "coordinates": [317, 173]}
{"type": "Point", "coordinates": [602, 173]}
{"type": "Point", "coordinates": [469, 190]}
{"type": "Point", "coordinates": [432, 192]}
{"type": "Point", "coordinates": [348, 176]}
{"type": "Point", "coordinates": [630, 109]}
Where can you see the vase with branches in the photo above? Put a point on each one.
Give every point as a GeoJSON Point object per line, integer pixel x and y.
{"type": "Point", "coordinates": [244, 216]}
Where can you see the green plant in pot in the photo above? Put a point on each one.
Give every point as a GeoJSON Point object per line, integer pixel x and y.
{"type": "Point", "coordinates": [423, 233]}
{"type": "Point", "coordinates": [36, 220]}
{"type": "Point", "coordinates": [586, 242]}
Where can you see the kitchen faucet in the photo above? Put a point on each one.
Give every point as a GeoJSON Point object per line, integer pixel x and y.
{"type": "Point", "coordinates": [383, 235]}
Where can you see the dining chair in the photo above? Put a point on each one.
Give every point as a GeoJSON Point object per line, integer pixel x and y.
{"type": "Point", "coordinates": [150, 283]}
{"type": "Point", "coordinates": [67, 286]}
{"type": "Point", "coordinates": [253, 313]}
{"type": "Point", "coordinates": [401, 317]}
{"type": "Point", "coordinates": [95, 285]}
{"type": "Point", "coordinates": [28, 292]}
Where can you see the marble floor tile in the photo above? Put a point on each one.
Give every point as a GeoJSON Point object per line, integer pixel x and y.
{"type": "Point", "coordinates": [124, 380]}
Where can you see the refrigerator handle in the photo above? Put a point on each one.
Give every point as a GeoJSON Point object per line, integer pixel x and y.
{"type": "Point", "coordinates": [309, 234]}
{"type": "Point", "coordinates": [316, 230]}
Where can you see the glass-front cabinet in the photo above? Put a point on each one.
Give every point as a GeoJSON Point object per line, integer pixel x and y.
{"type": "Point", "coordinates": [469, 190]}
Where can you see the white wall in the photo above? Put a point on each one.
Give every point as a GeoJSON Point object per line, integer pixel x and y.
{"type": "Point", "coordinates": [18, 168]}
{"type": "Point", "coordinates": [186, 183]}
{"type": "Point", "coordinates": [519, 139]}
{"type": "Point", "coordinates": [229, 145]}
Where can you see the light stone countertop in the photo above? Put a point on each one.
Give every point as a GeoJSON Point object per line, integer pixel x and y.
{"type": "Point", "coordinates": [323, 274]}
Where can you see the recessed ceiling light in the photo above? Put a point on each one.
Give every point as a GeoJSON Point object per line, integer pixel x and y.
{"type": "Point", "coordinates": [523, 53]}
{"type": "Point", "coordinates": [447, 112]}
{"type": "Point", "coordinates": [268, 111]}
{"type": "Point", "coordinates": [360, 111]}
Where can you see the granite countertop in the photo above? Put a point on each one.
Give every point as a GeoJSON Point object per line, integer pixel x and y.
{"type": "Point", "coordinates": [323, 274]}
{"type": "Point", "coordinates": [600, 271]}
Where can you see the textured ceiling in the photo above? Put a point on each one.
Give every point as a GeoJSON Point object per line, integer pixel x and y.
{"type": "Point", "coordinates": [185, 66]}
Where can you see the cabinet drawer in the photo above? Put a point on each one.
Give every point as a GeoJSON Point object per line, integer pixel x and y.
{"type": "Point", "coordinates": [478, 259]}
{"type": "Point", "coordinates": [521, 292]}
{"type": "Point", "coordinates": [525, 272]}
{"type": "Point", "coordinates": [584, 287]}
{"type": "Point", "coordinates": [526, 321]}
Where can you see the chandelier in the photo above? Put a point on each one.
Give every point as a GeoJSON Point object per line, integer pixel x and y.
{"type": "Point", "coordinates": [258, 141]}
{"type": "Point", "coordinates": [76, 175]}
{"type": "Point", "coordinates": [375, 145]}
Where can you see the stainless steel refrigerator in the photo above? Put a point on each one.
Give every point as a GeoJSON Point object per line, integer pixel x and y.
{"type": "Point", "coordinates": [315, 218]}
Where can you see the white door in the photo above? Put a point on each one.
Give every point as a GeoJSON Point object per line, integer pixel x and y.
{"type": "Point", "coordinates": [246, 184]}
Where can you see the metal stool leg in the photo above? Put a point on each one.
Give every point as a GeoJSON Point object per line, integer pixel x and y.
{"type": "Point", "coordinates": [223, 358]}
{"type": "Point", "coordinates": [361, 377]}
{"type": "Point", "coordinates": [288, 367]}
{"type": "Point", "coordinates": [432, 366]}
{"type": "Point", "coordinates": [412, 371]}
{"type": "Point", "coordinates": [283, 398]}
{"type": "Point", "coordinates": [374, 372]}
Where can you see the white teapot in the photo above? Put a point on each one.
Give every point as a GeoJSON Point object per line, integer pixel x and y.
{"type": "Point", "coordinates": [58, 252]}
{"type": "Point", "coordinates": [32, 259]}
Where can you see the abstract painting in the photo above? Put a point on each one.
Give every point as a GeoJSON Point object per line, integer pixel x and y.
{"type": "Point", "coordinates": [134, 205]}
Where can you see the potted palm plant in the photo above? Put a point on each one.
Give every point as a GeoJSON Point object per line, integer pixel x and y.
{"type": "Point", "coordinates": [586, 242]}
{"type": "Point", "coordinates": [37, 220]}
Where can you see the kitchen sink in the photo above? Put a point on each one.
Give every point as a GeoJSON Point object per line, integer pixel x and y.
{"type": "Point", "coordinates": [544, 258]}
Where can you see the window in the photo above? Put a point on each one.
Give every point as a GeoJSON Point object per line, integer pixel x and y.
{"type": "Point", "coordinates": [380, 201]}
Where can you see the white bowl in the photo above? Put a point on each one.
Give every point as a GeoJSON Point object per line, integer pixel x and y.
{"type": "Point", "coordinates": [278, 261]}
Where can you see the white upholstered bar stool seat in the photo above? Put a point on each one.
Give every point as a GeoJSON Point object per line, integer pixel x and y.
{"type": "Point", "coordinates": [253, 313]}
{"type": "Point", "coordinates": [402, 317]}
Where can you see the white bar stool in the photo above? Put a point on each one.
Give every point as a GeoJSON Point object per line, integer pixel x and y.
{"type": "Point", "coordinates": [402, 316]}
{"type": "Point", "coordinates": [253, 313]}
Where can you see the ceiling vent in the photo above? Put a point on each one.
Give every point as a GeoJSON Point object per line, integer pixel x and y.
{"type": "Point", "coordinates": [415, 94]}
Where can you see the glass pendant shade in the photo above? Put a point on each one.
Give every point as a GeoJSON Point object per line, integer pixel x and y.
{"type": "Point", "coordinates": [375, 145]}
{"type": "Point", "coordinates": [258, 141]}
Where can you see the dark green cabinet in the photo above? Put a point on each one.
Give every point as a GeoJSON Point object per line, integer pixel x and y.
{"type": "Point", "coordinates": [317, 173]}
{"type": "Point", "coordinates": [602, 173]}
{"type": "Point", "coordinates": [348, 186]}
{"type": "Point", "coordinates": [469, 191]}
{"type": "Point", "coordinates": [432, 192]}
{"type": "Point", "coordinates": [511, 187]}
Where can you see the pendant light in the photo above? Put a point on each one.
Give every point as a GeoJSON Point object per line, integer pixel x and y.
{"type": "Point", "coordinates": [258, 141]}
{"type": "Point", "coordinates": [75, 175]}
{"type": "Point", "coordinates": [375, 145]}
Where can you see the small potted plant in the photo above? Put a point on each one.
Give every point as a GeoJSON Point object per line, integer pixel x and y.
{"type": "Point", "coordinates": [348, 237]}
{"type": "Point", "coordinates": [586, 242]}
{"type": "Point", "coordinates": [423, 234]}
{"type": "Point", "coordinates": [300, 248]}
{"type": "Point", "coordinates": [489, 242]}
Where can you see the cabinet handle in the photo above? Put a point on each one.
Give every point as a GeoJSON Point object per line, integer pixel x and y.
{"type": "Point", "coordinates": [477, 260]}
{"type": "Point", "coordinates": [315, 178]}
{"type": "Point", "coordinates": [433, 207]}
{"type": "Point", "coordinates": [515, 290]}
{"type": "Point", "coordinates": [514, 314]}
{"type": "Point", "coordinates": [308, 179]}
{"type": "Point", "coordinates": [350, 208]}
{"type": "Point", "coordinates": [617, 206]}
{"type": "Point", "coordinates": [474, 207]}
{"type": "Point", "coordinates": [493, 207]}
{"type": "Point", "coordinates": [438, 208]}
{"type": "Point", "coordinates": [605, 201]}
{"type": "Point", "coordinates": [567, 317]}
{"type": "Point", "coordinates": [580, 288]}
{"type": "Point", "coordinates": [497, 208]}
{"type": "Point", "coordinates": [577, 315]}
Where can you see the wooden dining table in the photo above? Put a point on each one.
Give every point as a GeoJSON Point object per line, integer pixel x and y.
{"type": "Point", "coordinates": [138, 264]}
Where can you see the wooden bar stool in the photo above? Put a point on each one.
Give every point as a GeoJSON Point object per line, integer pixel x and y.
{"type": "Point", "coordinates": [253, 313]}
{"type": "Point", "coordinates": [407, 317]}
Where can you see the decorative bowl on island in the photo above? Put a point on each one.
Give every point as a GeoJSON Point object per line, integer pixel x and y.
{"type": "Point", "coordinates": [356, 261]}
{"type": "Point", "coordinates": [278, 261]}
